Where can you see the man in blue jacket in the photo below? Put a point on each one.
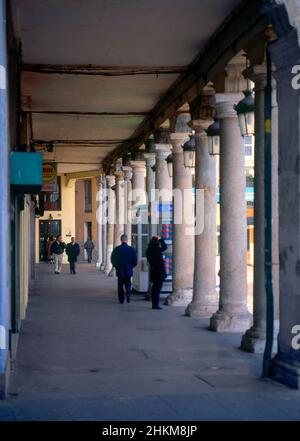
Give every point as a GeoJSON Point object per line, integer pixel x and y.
{"type": "Point", "coordinates": [124, 259]}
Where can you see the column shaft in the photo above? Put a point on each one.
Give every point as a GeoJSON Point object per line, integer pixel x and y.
{"type": "Point", "coordinates": [104, 224]}
{"type": "Point", "coordinates": [127, 208]}
{"type": "Point", "coordinates": [204, 301]}
{"type": "Point", "coordinates": [183, 238]}
{"type": "Point", "coordinates": [232, 315]}
{"type": "Point", "coordinates": [111, 202]}
{"type": "Point", "coordinates": [99, 221]}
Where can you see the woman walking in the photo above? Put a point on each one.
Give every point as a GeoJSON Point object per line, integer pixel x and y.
{"type": "Point", "coordinates": [157, 268]}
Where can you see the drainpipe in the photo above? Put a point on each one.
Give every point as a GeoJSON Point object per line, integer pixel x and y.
{"type": "Point", "coordinates": [268, 221]}
{"type": "Point", "coordinates": [4, 205]}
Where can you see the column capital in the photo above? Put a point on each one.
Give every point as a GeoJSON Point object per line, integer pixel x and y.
{"type": "Point", "coordinates": [180, 122]}
{"type": "Point", "coordinates": [138, 166]}
{"type": "Point", "coordinates": [234, 80]}
{"type": "Point", "coordinates": [225, 104]}
{"type": "Point", "coordinates": [203, 107]}
{"type": "Point", "coordinates": [162, 150]}
{"type": "Point", "coordinates": [99, 181]}
{"type": "Point", "coordinates": [127, 173]}
{"type": "Point", "coordinates": [150, 159]}
{"type": "Point", "coordinates": [178, 139]}
{"type": "Point", "coordinates": [111, 180]}
{"type": "Point", "coordinates": [201, 125]}
{"type": "Point", "coordinates": [119, 175]}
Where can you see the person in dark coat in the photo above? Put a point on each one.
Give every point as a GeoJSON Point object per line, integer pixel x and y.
{"type": "Point", "coordinates": [73, 251]}
{"type": "Point", "coordinates": [89, 246]}
{"type": "Point", "coordinates": [157, 268]}
{"type": "Point", "coordinates": [124, 259]}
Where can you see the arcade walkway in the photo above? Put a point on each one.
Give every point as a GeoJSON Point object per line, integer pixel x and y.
{"type": "Point", "coordinates": [82, 356]}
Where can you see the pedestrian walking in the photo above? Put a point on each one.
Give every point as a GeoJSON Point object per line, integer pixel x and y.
{"type": "Point", "coordinates": [57, 249]}
{"type": "Point", "coordinates": [72, 251]}
{"type": "Point", "coordinates": [157, 268]}
{"type": "Point", "coordinates": [124, 259]}
{"type": "Point", "coordinates": [89, 246]}
{"type": "Point", "coordinates": [50, 256]}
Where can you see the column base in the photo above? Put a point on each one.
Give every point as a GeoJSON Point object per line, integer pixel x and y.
{"type": "Point", "coordinates": [254, 341]}
{"type": "Point", "coordinates": [286, 372]}
{"type": "Point", "coordinates": [223, 321]}
{"type": "Point", "coordinates": [198, 310]}
{"type": "Point", "coordinates": [179, 297]}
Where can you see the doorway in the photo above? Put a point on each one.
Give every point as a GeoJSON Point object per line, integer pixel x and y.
{"type": "Point", "coordinates": [47, 228]}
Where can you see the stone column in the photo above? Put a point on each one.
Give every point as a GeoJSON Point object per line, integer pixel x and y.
{"type": "Point", "coordinates": [150, 187]}
{"type": "Point", "coordinates": [138, 182]}
{"type": "Point", "coordinates": [128, 188]}
{"type": "Point", "coordinates": [285, 54]}
{"type": "Point", "coordinates": [99, 220]}
{"type": "Point", "coordinates": [163, 181]}
{"type": "Point", "coordinates": [205, 299]}
{"type": "Point", "coordinates": [233, 315]}
{"type": "Point", "coordinates": [183, 237]}
{"type": "Point", "coordinates": [120, 207]}
{"type": "Point", "coordinates": [111, 202]}
{"type": "Point", "coordinates": [254, 339]}
{"type": "Point", "coordinates": [104, 223]}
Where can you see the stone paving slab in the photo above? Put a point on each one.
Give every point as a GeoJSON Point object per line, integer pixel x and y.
{"type": "Point", "coordinates": [82, 356]}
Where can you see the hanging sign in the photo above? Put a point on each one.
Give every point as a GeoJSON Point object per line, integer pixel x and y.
{"type": "Point", "coordinates": [49, 176]}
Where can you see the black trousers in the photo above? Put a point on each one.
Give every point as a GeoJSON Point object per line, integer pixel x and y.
{"type": "Point", "coordinates": [124, 281]}
{"type": "Point", "coordinates": [90, 255]}
{"type": "Point", "coordinates": [155, 292]}
{"type": "Point", "coordinates": [72, 268]}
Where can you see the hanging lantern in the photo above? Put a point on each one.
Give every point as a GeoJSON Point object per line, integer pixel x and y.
{"type": "Point", "coordinates": [189, 152]}
{"type": "Point", "coordinates": [245, 111]}
{"type": "Point", "coordinates": [213, 135]}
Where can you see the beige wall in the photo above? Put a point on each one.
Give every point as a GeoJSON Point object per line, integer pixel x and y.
{"type": "Point", "coordinates": [66, 215]}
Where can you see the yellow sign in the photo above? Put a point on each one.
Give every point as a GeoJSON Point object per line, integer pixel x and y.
{"type": "Point", "coordinates": [49, 177]}
{"type": "Point", "coordinates": [49, 173]}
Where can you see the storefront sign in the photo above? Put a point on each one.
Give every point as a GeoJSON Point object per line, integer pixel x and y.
{"type": "Point", "coordinates": [49, 176]}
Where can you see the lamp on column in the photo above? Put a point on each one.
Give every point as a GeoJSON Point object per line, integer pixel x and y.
{"type": "Point", "coordinates": [189, 152]}
{"type": "Point", "coordinates": [213, 135]}
{"type": "Point", "coordinates": [169, 161]}
{"type": "Point", "coordinates": [245, 111]}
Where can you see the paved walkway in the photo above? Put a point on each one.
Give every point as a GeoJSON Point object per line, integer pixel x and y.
{"type": "Point", "coordinates": [83, 356]}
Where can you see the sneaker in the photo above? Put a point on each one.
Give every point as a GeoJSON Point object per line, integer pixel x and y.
{"type": "Point", "coordinates": [128, 299]}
